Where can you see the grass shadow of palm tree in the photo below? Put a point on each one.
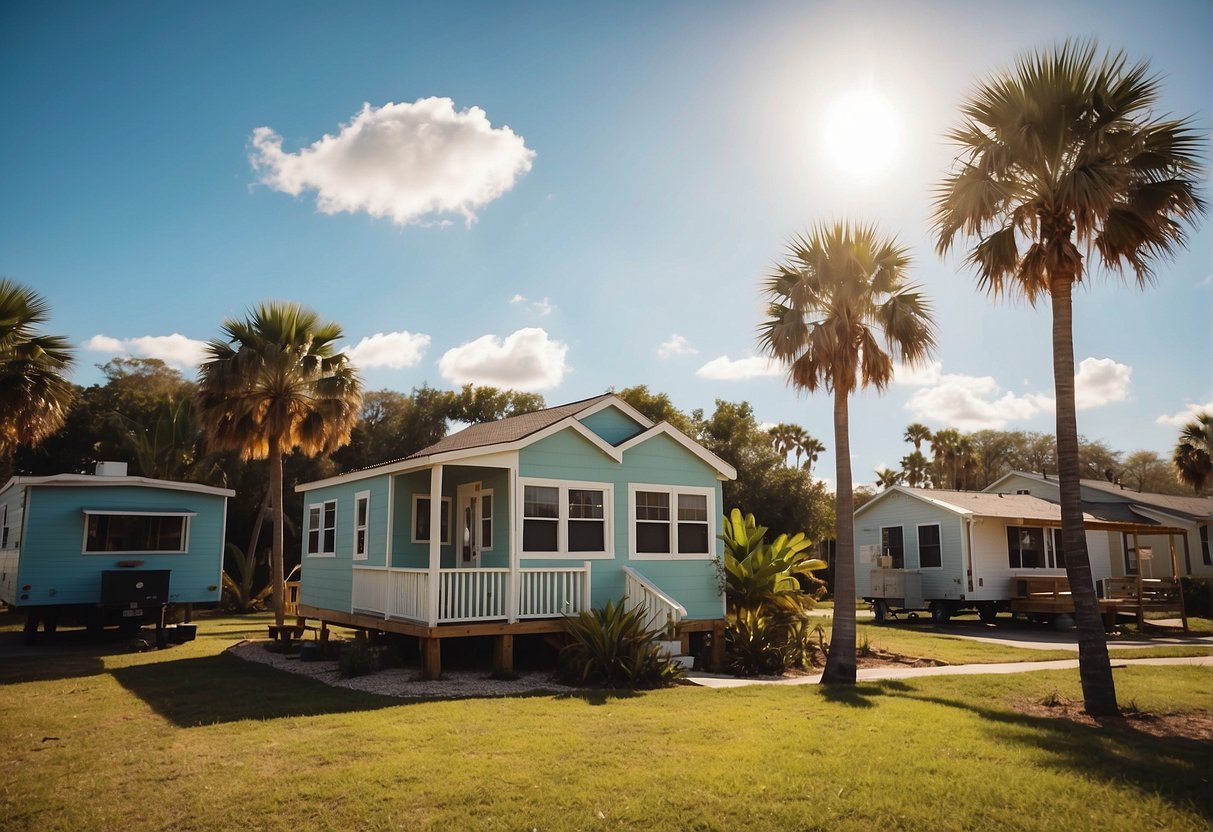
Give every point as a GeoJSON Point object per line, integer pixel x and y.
{"type": "Point", "coordinates": [1174, 768]}
{"type": "Point", "coordinates": [863, 694]}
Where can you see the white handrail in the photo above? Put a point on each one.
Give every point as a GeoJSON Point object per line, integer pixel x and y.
{"type": "Point", "coordinates": [660, 608]}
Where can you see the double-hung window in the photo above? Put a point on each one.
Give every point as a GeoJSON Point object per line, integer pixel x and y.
{"type": "Point", "coordinates": [566, 519]}
{"type": "Point", "coordinates": [322, 529]}
{"type": "Point", "coordinates": [930, 549]}
{"type": "Point", "coordinates": [362, 516]}
{"type": "Point", "coordinates": [421, 519]}
{"type": "Point", "coordinates": [892, 545]}
{"type": "Point", "coordinates": [670, 522]}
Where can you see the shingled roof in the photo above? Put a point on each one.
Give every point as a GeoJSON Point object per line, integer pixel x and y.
{"type": "Point", "coordinates": [510, 429]}
{"type": "Point", "coordinates": [1191, 507]}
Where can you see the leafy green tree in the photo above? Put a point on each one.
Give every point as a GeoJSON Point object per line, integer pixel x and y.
{"type": "Point", "coordinates": [658, 407]}
{"type": "Point", "coordinates": [34, 391]}
{"type": "Point", "coordinates": [1193, 455]}
{"type": "Point", "coordinates": [840, 293]}
{"type": "Point", "coordinates": [1147, 471]}
{"type": "Point", "coordinates": [275, 383]}
{"type": "Point", "coordinates": [1061, 154]}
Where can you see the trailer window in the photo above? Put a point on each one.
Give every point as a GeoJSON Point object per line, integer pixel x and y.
{"type": "Point", "coordinates": [930, 551]}
{"type": "Point", "coordinates": [153, 532]}
{"type": "Point", "coordinates": [1026, 547]}
{"type": "Point", "coordinates": [891, 544]}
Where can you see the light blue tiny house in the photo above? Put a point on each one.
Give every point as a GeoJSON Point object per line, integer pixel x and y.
{"type": "Point", "coordinates": [65, 537]}
{"type": "Point", "coordinates": [539, 516]}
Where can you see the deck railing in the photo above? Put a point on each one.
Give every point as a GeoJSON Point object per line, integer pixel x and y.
{"type": "Point", "coordinates": [469, 595]}
{"type": "Point", "coordinates": [660, 609]}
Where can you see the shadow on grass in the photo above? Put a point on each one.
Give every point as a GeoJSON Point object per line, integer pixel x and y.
{"type": "Point", "coordinates": [861, 694]}
{"type": "Point", "coordinates": [1175, 768]}
{"type": "Point", "coordinates": [214, 689]}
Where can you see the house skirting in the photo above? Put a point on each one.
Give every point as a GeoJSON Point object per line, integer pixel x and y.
{"type": "Point", "coordinates": [501, 631]}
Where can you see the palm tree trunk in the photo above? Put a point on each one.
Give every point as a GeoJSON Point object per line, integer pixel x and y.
{"type": "Point", "coordinates": [840, 664]}
{"type": "Point", "coordinates": [279, 518]}
{"type": "Point", "coordinates": [1094, 666]}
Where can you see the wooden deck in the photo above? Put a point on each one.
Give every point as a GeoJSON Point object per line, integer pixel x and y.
{"type": "Point", "coordinates": [503, 632]}
{"type": "Point", "coordinates": [1132, 595]}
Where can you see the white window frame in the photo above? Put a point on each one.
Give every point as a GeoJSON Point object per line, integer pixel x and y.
{"type": "Point", "coordinates": [918, 544]}
{"type": "Point", "coordinates": [562, 520]}
{"type": "Point", "coordinates": [322, 507]}
{"type": "Point", "coordinates": [486, 540]}
{"type": "Point", "coordinates": [883, 552]}
{"type": "Point", "coordinates": [1048, 554]}
{"type": "Point", "coordinates": [185, 531]}
{"type": "Point", "coordinates": [673, 491]}
{"type": "Point", "coordinates": [444, 537]}
{"type": "Point", "coordinates": [365, 527]}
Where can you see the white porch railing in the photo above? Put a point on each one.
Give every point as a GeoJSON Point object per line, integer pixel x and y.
{"type": "Point", "coordinates": [466, 595]}
{"type": "Point", "coordinates": [660, 609]}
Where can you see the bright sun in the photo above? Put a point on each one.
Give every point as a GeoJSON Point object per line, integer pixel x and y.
{"type": "Point", "coordinates": [861, 133]}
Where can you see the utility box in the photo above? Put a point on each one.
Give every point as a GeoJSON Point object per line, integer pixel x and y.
{"type": "Point", "coordinates": [900, 587]}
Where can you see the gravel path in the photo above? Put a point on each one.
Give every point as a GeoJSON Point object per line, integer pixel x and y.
{"type": "Point", "coordinates": [402, 682]}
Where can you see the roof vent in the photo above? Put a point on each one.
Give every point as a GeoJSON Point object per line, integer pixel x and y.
{"type": "Point", "coordinates": [111, 469]}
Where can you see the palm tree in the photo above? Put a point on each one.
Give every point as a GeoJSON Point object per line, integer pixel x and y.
{"type": "Point", "coordinates": [34, 391]}
{"type": "Point", "coordinates": [944, 445]}
{"type": "Point", "coordinates": [274, 384]}
{"type": "Point", "coordinates": [1063, 152]}
{"type": "Point", "coordinates": [796, 439]}
{"type": "Point", "coordinates": [1193, 456]}
{"type": "Point", "coordinates": [917, 433]}
{"type": "Point", "coordinates": [837, 302]}
{"type": "Point", "coordinates": [914, 466]}
{"type": "Point", "coordinates": [888, 477]}
{"type": "Point", "coordinates": [812, 448]}
{"type": "Point", "coordinates": [783, 440]}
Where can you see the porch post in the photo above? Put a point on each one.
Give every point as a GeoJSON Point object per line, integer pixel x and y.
{"type": "Point", "coordinates": [1179, 587]}
{"type": "Point", "coordinates": [586, 600]}
{"type": "Point", "coordinates": [432, 584]}
{"type": "Point", "coordinates": [513, 580]}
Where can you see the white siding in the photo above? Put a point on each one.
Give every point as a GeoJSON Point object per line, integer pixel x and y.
{"type": "Point", "coordinates": [896, 509]}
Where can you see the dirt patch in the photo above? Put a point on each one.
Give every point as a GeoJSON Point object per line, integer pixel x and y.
{"type": "Point", "coordinates": [1192, 725]}
{"type": "Point", "coordinates": [879, 658]}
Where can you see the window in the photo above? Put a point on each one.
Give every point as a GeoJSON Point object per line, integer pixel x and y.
{"type": "Point", "coordinates": [1204, 543]}
{"type": "Point", "coordinates": [671, 522]}
{"type": "Point", "coordinates": [486, 521]}
{"type": "Point", "coordinates": [891, 544]}
{"type": "Point", "coordinates": [1059, 551]}
{"type": "Point", "coordinates": [322, 529]}
{"type": "Point", "coordinates": [566, 519]}
{"type": "Point", "coordinates": [1130, 554]}
{"type": "Point", "coordinates": [421, 519]}
{"type": "Point", "coordinates": [1026, 547]}
{"type": "Point", "coordinates": [362, 514]}
{"type": "Point", "coordinates": [150, 532]}
{"type": "Point", "coordinates": [930, 551]}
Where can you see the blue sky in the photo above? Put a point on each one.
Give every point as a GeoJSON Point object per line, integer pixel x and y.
{"type": "Point", "coordinates": [562, 197]}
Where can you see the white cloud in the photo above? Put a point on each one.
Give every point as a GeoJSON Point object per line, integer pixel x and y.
{"type": "Point", "coordinates": [526, 360]}
{"type": "Point", "coordinates": [676, 345]}
{"type": "Point", "coordinates": [175, 350]}
{"type": "Point", "coordinates": [724, 369]}
{"type": "Point", "coordinates": [1100, 381]}
{"type": "Point", "coordinates": [411, 163]}
{"type": "Point", "coordinates": [919, 376]}
{"type": "Point", "coordinates": [396, 350]}
{"type": "Point", "coordinates": [543, 308]}
{"type": "Point", "coordinates": [974, 403]}
{"type": "Point", "coordinates": [1183, 417]}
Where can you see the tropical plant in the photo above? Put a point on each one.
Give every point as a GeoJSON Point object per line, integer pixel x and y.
{"type": "Point", "coordinates": [812, 449]}
{"type": "Point", "coordinates": [168, 447]}
{"type": "Point", "coordinates": [1067, 151]}
{"type": "Point", "coordinates": [613, 647]}
{"type": "Point", "coordinates": [273, 384]}
{"type": "Point", "coordinates": [758, 574]}
{"type": "Point", "coordinates": [783, 439]}
{"type": "Point", "coordinates": [842, 292]}
{"type": "Point", "coordinates": [1193, 455]}
{"type": "Point", "coordinates": [34, 392]}
{"type": "Point", "coordinates": [888, 477]}
{"type": "Point", "coordinates": [915, 466]}
{"type": "Point", "coordinates": [917, 433]}
{"type": "Point", "coordinates": [238, 588]}
{"type": "Point", "coordinates": [944, 448]}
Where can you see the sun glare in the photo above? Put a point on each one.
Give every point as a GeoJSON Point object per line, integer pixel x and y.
{"type": "Point", "coordinates": [861, 133]}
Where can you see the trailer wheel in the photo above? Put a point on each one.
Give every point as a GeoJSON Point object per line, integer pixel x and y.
{"type": "Point", "coordinates": [880, 610]}
{"type": "Point", "coordinates": [940, 613]}
{"type": "Point", "coordinates": [987, 613]}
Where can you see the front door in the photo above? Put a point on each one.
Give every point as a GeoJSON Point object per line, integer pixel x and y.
{"type": "Point", "coordinates": [469, 526]}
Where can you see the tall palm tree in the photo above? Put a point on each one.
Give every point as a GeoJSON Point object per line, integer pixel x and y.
{"type": "Point", "coordinates": [273, 384]}
{"type": "Point", "coordinates": [944, 446]}
{"type": "Point", "coordinates": [783, 440]}
{"type": "Point", "coordinates": [812, 448]}
{"type": "Point", "coordinates": [917, 433]}
{"type": "Point", "coordinates": [835, 305]}
{"type": "Point", "coordinates": [1193, 456]}
{"type": "Point", "coordinates": [914, 466]}
{"type": "Point", "coordinates": [34, 391]}
{"type": "Point", "coordinates": [1066, 151]}
{"type": "Point", "coordinates": [796, 439]}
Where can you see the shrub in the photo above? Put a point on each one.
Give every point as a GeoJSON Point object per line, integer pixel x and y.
{"type": "Point", "coordinates": [612, 647]}
{"type": "Point", "coordinates": [1198, 596]}
{"type": "Point", "coordinates": [358, 658]}
{"type": "Point", "coordinates": [768, 643]}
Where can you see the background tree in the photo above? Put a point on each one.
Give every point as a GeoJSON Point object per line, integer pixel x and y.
{"type": "Point", "coordinates": [914, 466]}
{"type": "Point", "coordinates": [782, 440]}
{"type": "Point", "coordinates": [1193, 455]}
{"type": "Point", "coordinates": [274, 384]}
{"type": "Point", "coordinates": [945, 444]}
{"type": "Point", "coordinates": [812, 449]}
{"type": "Point", "coordinates": [888, 477]}
{"type": "Point", "coordinates": [917, 433]}
{"type": "Point", "coordinates": [1066, 151]}
{"type": "Point", "coordinates": [840, 293]}
{"type": "Point", "coordinates": [1147, 471]}
{"type": "Point", "coordinates": [34, 391]}
{"type": "Point", "coordinates": [658, 407]}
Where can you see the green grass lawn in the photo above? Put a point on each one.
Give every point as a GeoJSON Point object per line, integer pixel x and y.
{"type": "Point", "coordinates": [192, 738]}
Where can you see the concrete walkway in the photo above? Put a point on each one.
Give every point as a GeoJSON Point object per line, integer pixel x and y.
{"type": "Point", "coordinates": [711, 680]}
